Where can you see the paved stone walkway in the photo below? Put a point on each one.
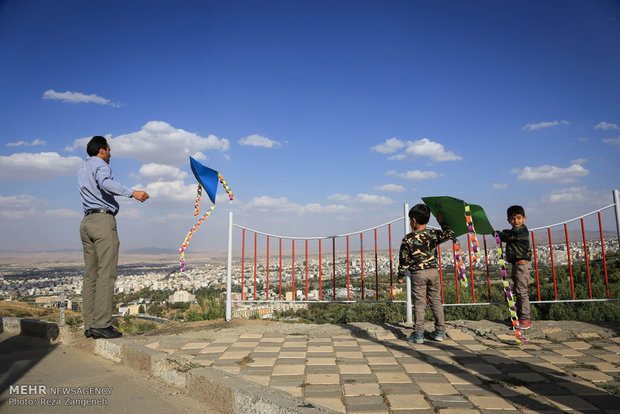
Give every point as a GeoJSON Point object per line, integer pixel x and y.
{"type": "Point", "coordinates": [366, 368]}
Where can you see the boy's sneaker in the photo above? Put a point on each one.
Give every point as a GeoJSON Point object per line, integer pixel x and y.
{"type": "Point", "coordinates": [417, 337]}
{"type": "Point", "coordinates": [523, 324]}
{"type": "Point", "coordinates": [438, 336]}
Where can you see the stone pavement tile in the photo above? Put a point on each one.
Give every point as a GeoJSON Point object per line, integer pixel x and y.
{"type": "Point", "coordinates": [322, 390]}
{"type": "Point", "coordinates": [392, 377]}
{"type": "Point", "coordinates": [204, 361]}
{"type": "Point", "coordinates": [361, 389]}
{"type": "Point", "coordinates": [458, 335]}
{"type": "Point", "coordinates": [505, 391]}
{"type": "Point", "coordinates": [404, 353]}
{"type": "Point", "coordinates": [604, 402]}
{"type": "Point", "coordinates": [354, 369]}
{"type": "Point", "coordinates": [327, 349]}
{"type": "Point", "coordinates": [568, 352]}
{"type": "Point", "coordinates": [389, 360]}
{"type": "Point", "coordinates": [365, 404]}
{"type": "Point", "coordinates": [490, 402]}
{"type": "Point", "coordinates": [437, 388]}
{"type": "Point", "coordinates": [594, 376]}
{"type": "Point", "coordinates": [570, 402]}
{"type": "Point", "coordinates": [587, 359]}
{"type": "Point", "coordinates": [462, 378]}
{"type": "Point", "coordinates": [544, 367]}
{"type": "Point", "coordinates": [482, 368]}
{"type": "Point", "coordinates": [419, 368]}
{"type": "Point", "coordinates": [357, 378]}
{"type": "Point", "coordinates": [213, 357]}
{"type": "Point", "coordinates": [476, 347]}
{"type": "Point", "coordinates": [531, 403]}
{"type": "Point", "coordinates": [546, 389]}
{"type": "Point", "coordinates": [349, 355]}
{"type": "Point", "coordinates": [514, 353]}
{"type": "Point", "coordinates": [267, 348]}
{"type": "Point", "coordinates": [331, 403]}
{"type": "Point", "coordinates": [495, 359]}
{"type": "Point", "coordinates": [350, 343]}
{"type": "Point", "coordinates": [407, 402]}
{"type": "Point", "coordinates": [266, 371]}
{"type": "Point", "coordinates": [233, 369]}
{"type": "Point", "coordinates": [473, 389]}
{"type": "Point", "coordinates": [214, 349]}
{"type": "Point", "coordinates": [386, 368]}
{"type": "Point", "coordinates": [251, 335]}
{"type": "Point", "coordinates": [449, 401]}
{"type": "Point", "coordinates": [322, 378]}
{"type": "Point", "coordinates": [442, 358]}
{"type": "Point", "coordinates": [285, 354]}
{"type": "Point", "coordinates": [578, 344]}
{"type": "Point", "coordinates": [528, 376]}
{"type": "Point", "coordinates": [557, 360]}
{"type": "Point", "coordinates": [293, 390]}
{"type": "Point", "coordinates": [290, 361]}
{"type": "Point", "coordinates": [257, 355]}
{"type": "Point", "coordinates": [581, 388]}
{"type": "Point", "coordinates": [322, 369]}
{"type": "Point", "coordinates": [372, 348]}
{"type": "Point", "coordinates": [272, 339]}
{"type": "Point", "coordinates": [222, 341]}
{"type": "Point", "coordinates": [400, 388]}
{"type": "Point", "coordinates": [424, 377]}
{"type": "Point", "coordinates": [262, 362]}
{"type": "Point", "coordinates": [236, 355]}
{"type": "Point", "coordinates": [195, 345]}
{"type": "Point", "coordinates": [587, 335]}
{"type": "Point", "coordinates": [458, 411]}
{"type": "Point", "coordinates": [512, 368]}
{"type": "Point", "coordinates": [321, 361]}
{"type": "Point", "coordinates": [613, 348]}
{"type": "Point", "coordinates": [606, 366]}
{"type": "Point", "coordinates": [288, 369]}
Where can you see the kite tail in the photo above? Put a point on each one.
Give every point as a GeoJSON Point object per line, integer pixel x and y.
{"type": "Point", "coordinates": [512, 308]}
{"type": "Point", "coordinates": [458, 258]}
{"type": "Point", "coordinates": [472, 231]}
{"type": "Point", "coordinates": [230, 194]}
{"type": "Point", "coordinates": [196, 210]}
{"type": "Point", "coordinates": [189, 236]}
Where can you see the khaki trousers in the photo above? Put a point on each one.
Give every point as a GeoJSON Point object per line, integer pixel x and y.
{"type": "Point", "coordinates": [425, 282]}
{"type": "Point", "coordinates": [100, 244]}
{"type": "Point", "coordinates": [520, 275]}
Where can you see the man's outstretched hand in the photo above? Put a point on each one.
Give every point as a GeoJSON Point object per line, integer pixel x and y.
{"type": "Point", "coordinates": [141, 196]}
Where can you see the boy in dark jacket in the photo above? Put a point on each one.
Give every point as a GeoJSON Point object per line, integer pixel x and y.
{"type": "Point", "coordinates": [518, 254]}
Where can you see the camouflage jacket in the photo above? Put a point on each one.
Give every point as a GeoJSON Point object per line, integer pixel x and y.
{"type": "Point", "coordinates": [418, 250]}
{"type": "Point", "coordinates": [517, 241]}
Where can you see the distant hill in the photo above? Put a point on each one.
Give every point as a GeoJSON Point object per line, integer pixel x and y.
{"type": "Point", "coordinates": [150, 251]}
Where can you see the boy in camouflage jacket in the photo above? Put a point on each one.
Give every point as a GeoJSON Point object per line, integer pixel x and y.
{"type": "Point", "coordinates": [418, 255]}
{"type": "Point", "coordinates": [519, 255]}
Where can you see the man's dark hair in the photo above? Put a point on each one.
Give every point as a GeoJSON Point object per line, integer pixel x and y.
{"type": "Point", "coordinates": [421, 213]}
{"type": "Point", "coordinates": [95, 144]}
{"type": "Point", "coordinates": [512, 210]}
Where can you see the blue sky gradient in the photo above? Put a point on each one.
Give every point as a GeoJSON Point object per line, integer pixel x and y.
{"type": "Point", "coordinates": [324, 117]}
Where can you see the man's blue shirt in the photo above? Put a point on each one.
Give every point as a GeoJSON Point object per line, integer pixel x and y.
{"type": "Point", "coordinates": [97, 186]}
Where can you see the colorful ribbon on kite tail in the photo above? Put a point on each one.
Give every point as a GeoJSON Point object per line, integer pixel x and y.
{"type": "Point", "coordinates": [460, 266]}
{"type": "Point", "coordinates": [202, 219]}
{"type": "Point", "coordinates": [512, 308]}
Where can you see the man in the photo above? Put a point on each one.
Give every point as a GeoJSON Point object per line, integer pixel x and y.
{"type": "Point", "coordinates": [99, 237]}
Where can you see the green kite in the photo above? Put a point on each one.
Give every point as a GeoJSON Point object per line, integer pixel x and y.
{"type": "Point", "coordinates": [453, 211]}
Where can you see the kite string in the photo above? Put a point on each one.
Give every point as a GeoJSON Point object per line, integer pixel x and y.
{"type": "Point", "coordinates": [508, 292]}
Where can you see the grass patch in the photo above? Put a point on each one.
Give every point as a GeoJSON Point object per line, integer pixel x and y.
{"type": "Point", "coordinates": [188, 366]}
{"type": "Point", "coordinates": [245, 361]}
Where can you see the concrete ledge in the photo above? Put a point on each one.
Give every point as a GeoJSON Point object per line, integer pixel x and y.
{"type": "Point", "coordinates": [30, 327]}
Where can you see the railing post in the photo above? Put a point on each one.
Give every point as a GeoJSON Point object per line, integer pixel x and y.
{"type": "Point", "coordinates": [408, 278]}
{"type": "Point", "coordinates": [616, 195]}
{"type": "Point", "coordinates": [229, 270]}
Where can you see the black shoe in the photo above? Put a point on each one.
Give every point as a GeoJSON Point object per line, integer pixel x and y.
{"type": "Point", "coordinates": [87, 333]}
{"type": "Point", "coordinates": [107, 333]}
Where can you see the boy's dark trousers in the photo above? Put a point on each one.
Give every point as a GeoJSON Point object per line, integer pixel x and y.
{"type": "Point", "coordinates": [423, 281]}
{"type": "Point", "coordinates": [520, 275]}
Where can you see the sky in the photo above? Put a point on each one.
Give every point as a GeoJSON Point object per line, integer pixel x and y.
{"type": "Point", "coordinates": [324, 117]}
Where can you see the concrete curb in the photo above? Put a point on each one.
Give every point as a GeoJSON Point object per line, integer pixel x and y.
{"type": "Point", "coordinates": [30, 327]}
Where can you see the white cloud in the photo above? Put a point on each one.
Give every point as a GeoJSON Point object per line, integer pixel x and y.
{"type": "Point", "coordinates": [259, 141]}
{"type": "Point", "coordinates": [583, 139]}
{"type": "Point", "coordinates": [500, 186]}
{"type": "Point", "coordinates": [578, 196]}
{"type": "Point", "coordinates": [551, 174]}
{"type": "Point", "coordinates": [389, 146]}
{"type": "Point", "coordinates": [77, 97]}
{"type": "Point", "coordinates": [339, 197]}
{"type": "Point", "coordinates": [434, 150]}
{"type": "Point", "coordinates": [371, 200]}
{"type": "Point", "coordinates": [397, 157]}
{"type": "Point", "coordinates": [540, 125]}
{"type": "Point", "coordinates": [605, 126]}
{"type": "Point", "coordinates": [41, 166]}
{"type": "Point", "coordinates": [62, 213]}
{"type": "Point", "coordinates": [612, 141]}
{"type": "Point", "coordinates": [172, 190]}
{"type": "Point", "coordinates": [390, 188]}
{"type": "Point", "coordinates": [415, 175]}
{"type": "Point", "coordinates": [160, 172]}
{"type": "Point", "coordinates": [19, 206]}
{"type": "Point", "coordinates": [34, 142]}
{"type": "Point", "coordinates": [159, 142]}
